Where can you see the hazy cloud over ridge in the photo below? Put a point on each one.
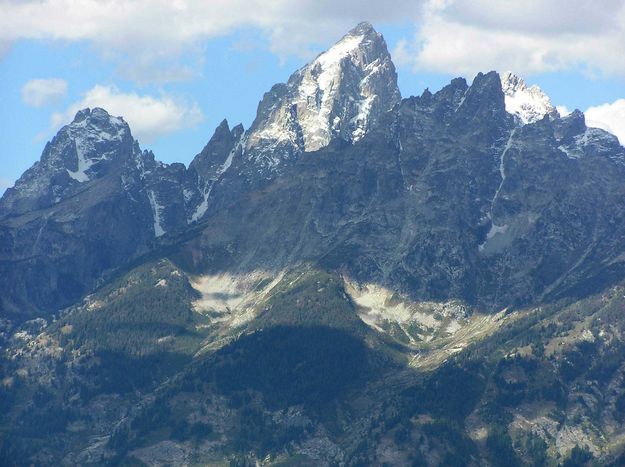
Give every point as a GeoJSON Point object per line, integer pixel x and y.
{"type": "Point", "coordinates": [152, 31]}
{"type": "Point", "coordinates": [532, 36]}
{"type": "Point", "coordinates": [149, 117]}
{"type": "Point", "coordinates": [40, 92]}
{"type": "Point", "coordinates": [610, 117]}
{"type": "Point", "coordinates": [452, 36]}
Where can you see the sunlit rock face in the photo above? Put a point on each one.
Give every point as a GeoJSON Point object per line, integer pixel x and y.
{"type": "Point", "coordinates": [528, 103]}
{"type": "Point", "coordinates": [476, 192]}
{"type": "Point", "coordinates": [340, 94]}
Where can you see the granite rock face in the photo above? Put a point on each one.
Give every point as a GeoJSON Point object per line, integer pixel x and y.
{"type": "Point", "coordinates": [340, 95]}
{"type": "Point", "coordinates": [481, 193]}
{"type": "Point", "coordinates": [449, 197]}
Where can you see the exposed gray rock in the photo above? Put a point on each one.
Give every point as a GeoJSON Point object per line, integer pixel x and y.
{"type": "Point", "coordinates": [443, 196]}
{"type": "Point", "coordinates": [342, 94]}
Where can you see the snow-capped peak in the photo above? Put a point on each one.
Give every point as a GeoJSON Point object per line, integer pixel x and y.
{"type": "Point", "coordinates": [341, 93]}
{"type": "Point", "coordinates": [91, 146]}
{"type": "Point", "coordinates": [330, 60]}
{"type": "Point", "coordinates": [320, 90]}
{"type": "Point", "coordinates": [92, 132]}
{"type": "Point", "coordinates": [529, 103]}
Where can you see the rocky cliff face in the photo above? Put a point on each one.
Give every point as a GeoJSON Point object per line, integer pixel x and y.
{"type": "Point", "coordinates": [450, 196]}
{"type": "Point", "coordinates": [480, 192]}
{"type": "Point", "coordinates": [340, 95]}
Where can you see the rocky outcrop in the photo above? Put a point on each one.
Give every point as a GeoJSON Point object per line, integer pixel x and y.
{"type": "Point", "coordinates": [341, 94]}
{"type": "Point", "coordinates": [480, 193]}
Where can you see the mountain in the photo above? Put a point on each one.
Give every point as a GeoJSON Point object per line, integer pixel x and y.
{"type": "Point", "coordinates": [443, 199]}
{"type": "Point", "coordinates": [356, 279]}
{"type": "Point", "coordinates": [528, 103]}
{"type": "Point", "coordinates": [92, 203]}
{"type": "Point", "coordinates": [92, 146]}
{"type": "Point", "coordinates": [341, 94]}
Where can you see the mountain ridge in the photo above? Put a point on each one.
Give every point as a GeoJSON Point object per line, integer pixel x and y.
{"type": "Point", "coordinates": [439, 283]}
{"type": "Point", "coordinates": [231, 167]}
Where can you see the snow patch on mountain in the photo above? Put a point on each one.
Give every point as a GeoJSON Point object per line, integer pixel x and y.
{"type": "Point", "coordinates": [92, 133]}
{"type": "Point", "coordinates": [529, 103]}
{"type": "Point", "coordinates": [156, 212]}
{"type": "Point", "coordinates": [232, 300]}
{"type": "Point", "coordinates": [390, 312]}
{"type": "Point", "coordinates": [206, 191]}
{"type": "Point", "coordinates": [80, 175]}
{"type": "Point", "coordinates": [592, 141]}
{"type": "Point", "coordinates": [331, 59]}
{"type": "Point", "coordinates": [321, 87]}
{"type": "Point", "coordinates": [340, 94]}
{"type": "Point", "coordinates": [494, 228]}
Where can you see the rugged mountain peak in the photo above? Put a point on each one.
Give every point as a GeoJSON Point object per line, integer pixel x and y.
{"type": "Point", "coordinates": [222, 129]}
{"type": "Point", "coordinates": [82, 151]}
{"type": "Point", "coordinates": [577, 140]}
{"type": "Point", "coordinates": [362, 29]}
{"type": "Point", "coordinates": [572, 124]}
{"type": "Point", "coordinates": [483, 101]}
{"type": "Point", "coordinates": [221, 137]}
{"type": "Point", "coordinates": [528, 103]}
{"type": "Point", "coordinates": [209, 165]}
{"type": "Point", "coordinates": [96, 135]}
{"type": "Point", "coordinates": [340, 94]}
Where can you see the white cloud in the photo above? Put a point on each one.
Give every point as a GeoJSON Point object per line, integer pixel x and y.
{"type": "Point", "coordinates": [563, 110]}
{"type": "Point", "coordinates": [403, 53]}
{"type": "Point", "coordinates": [40, 92]}
{"type": "Point", "coordinates": [610, 117]}
{"type": "Point", "coordinates": [150, 32]}
{"type": "Point", "coordinates": [537, 16]}
{"type": "Point", "coordinates": [147, 38]}
{"type": "Point", "coordinates": [532, 36]}
{"type": "Point", "coordinates": [149, 117]}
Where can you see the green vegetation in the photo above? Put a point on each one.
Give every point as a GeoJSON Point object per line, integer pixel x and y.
{"type": "Point", "coordinates": [146, 312]}
{"type": "Point", "coordinates": [499, 444]}
{"type": "Point", "coordinates": [292, 365]}
{"type": "Point", "coordinates": [310, 297]}
{"type": "Point", "coordinates": [579, 457]}
{"type": "Point", "coordinates": [307, 365]}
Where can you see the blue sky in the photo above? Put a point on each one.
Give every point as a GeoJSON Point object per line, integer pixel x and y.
{"type": "Point", "coordinates": [175, 69]}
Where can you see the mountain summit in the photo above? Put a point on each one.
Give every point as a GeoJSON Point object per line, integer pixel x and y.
{"type": "Point", "coordinates": [341, 94]}
{"type": "Point", "coordinates": [92, 145]}
{"type": "Point", "coordinates": [338, 167]}
{"type": "Point", "coordinates": [528, 103]}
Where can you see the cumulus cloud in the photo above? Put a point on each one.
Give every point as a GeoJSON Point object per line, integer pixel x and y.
{"type": "Point", "coordinates": [536, 16]}
{"type": "Point", "coordinates": [150, 32]}
{"type": "Point", "coordinates": [451, 36]}
{"type": "Point", "coordinates": [610, 117]}
{"type": "Point", "coordinates": [563, 110]}
{"type": "Point", "coordinates": [149, 117]}
{"type": "Point", "coordinates": [532, 36]}
{"type": "Point", "coordinates": [40, 92]}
